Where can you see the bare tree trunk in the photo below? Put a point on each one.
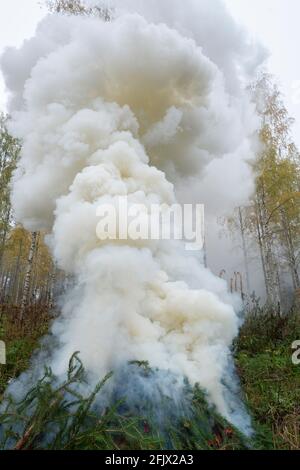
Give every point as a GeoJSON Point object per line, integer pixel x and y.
{"type": "Point", "coordinates": [245, 254]}
{"type": "Point", "coordinates": [265, 240]}
{"type": "Point", "coordinates": [4, 287]}
{"type": "Point", "coordinates": [16, 275]}
{"type": "Point", "coordinates": [262, 257]}
{"type": "Point", "coordinates": [35, 284]}
{"type": "Point", "coordinates": [3, 240]}
{"type": "Point", "coordinates": [290, 250]}
{"type": "Point", "coordinates": [28, 276]}
{"type": "Point", "coordinates": [52, 286]}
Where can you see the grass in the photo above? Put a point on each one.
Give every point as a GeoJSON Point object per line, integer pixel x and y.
{"type": "Point", "coordinates": [21, 341]}
{"type": "Point", "coordinates": [269, 380]}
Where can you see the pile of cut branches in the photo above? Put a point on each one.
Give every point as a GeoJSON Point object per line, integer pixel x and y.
{"type": "Point", "coordinates": [58, 416]}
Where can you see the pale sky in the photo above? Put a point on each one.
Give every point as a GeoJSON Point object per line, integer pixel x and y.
{"type": "Point", "coordinates": [274, 22]}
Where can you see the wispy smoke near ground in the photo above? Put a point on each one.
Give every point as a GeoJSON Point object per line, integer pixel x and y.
{"type": "Point", "coordinates": [150, 106]}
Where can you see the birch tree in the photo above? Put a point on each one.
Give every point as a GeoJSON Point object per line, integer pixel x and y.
{"type": "Point", "coordinates": [272, 217]}
{"type": "Point", "coordinates": [9, 153]}
{"type": "Point", "coordinates": [276, 202]}
{"type": "Point", "coordinates": [28, 275]}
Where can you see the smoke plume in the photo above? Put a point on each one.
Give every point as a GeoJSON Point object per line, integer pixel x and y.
{"type": "Point", "coordinates": [151, 106]}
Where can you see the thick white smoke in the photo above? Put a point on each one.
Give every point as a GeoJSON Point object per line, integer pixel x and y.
{"type": "Point", "coordinates": [148, 106]}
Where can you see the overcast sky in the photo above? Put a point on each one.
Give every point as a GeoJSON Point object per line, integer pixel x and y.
{"type": "Point", "coordinates": [274, 22]}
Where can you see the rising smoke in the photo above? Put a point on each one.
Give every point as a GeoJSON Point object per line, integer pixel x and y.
{"type": "Point", "coordinates": [151, 106]}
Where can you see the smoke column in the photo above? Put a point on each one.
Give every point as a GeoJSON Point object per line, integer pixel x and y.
{"type": "Point", "coordinates": [149, 106]}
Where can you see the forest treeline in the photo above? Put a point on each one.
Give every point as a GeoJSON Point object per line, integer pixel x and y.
{"type": "Point", "coordinates": [268, 227]}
